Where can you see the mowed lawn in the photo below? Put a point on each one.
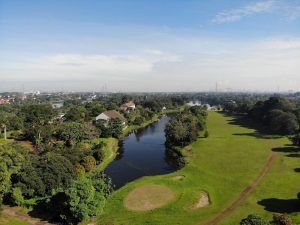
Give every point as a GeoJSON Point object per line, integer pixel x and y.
{"type": "Point", "coordinates": [223, 165]}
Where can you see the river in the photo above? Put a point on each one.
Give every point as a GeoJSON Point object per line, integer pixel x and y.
{"type": "Point", "coordinates": [141, 153]}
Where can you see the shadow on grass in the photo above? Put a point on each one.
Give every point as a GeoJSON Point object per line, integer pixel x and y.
{"type": "Point", "coordinates": [50, 211]}
{"type": "Point", "coordinates": [281, 205]}
{"type": "Point", "coordinates": [294, 155]}
{"type": "Point", "coordinates": [41, 212]}
{"type": "Point", "coordinates": [256, 135]}
{"type": "Point", "coordinates": [287, 149]}
{"type": "Point", "coordinates": [242, 121]}
{"type": "Point", "coordinates": [297, 170]}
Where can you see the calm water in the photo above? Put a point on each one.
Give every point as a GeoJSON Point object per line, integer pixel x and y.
{"type": "Point", "coordinates": [141, 154]}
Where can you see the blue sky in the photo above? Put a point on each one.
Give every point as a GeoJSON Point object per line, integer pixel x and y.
{"type": "Point", "coordinates": [151, 45]}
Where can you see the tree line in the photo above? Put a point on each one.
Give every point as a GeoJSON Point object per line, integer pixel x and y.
{"type": "Point", "coordinates": [182, 129]}
{"type": "Point", "coordinates": [278, 114]}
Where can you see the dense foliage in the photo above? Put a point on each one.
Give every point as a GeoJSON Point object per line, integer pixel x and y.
{"type": "Point", "coordinates": [12, 158]}
{"type": "Point", "coordinates": [40, 175]}
{"type": "Point", "coordinates": [84, 198]}
{"type": "Point", "coordinates": [184, 127]}
{"type": "Point", "coordinates": [278, 114]}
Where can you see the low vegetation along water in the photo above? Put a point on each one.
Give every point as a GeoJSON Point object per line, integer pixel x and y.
{"type": "Point", "coordinates": [142, 153]}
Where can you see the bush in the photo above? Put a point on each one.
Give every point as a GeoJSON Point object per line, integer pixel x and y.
{"type": "Point", "coordinates": [138, 120]}
{"type": "Point", "coordinates": [89, 163]}
{"type": "Point", "coordinates": [98, 154]}
{"type": "Point", "coordinates": [80, 170]}
{"type": "Point", "coordinates": [206, 134]}
{"type": "Point", "coordinates": [15, 197]}
{"type": "Point", "coordinates": [280, 219]}
{"type": "Point", "coordinates": [254, 220]}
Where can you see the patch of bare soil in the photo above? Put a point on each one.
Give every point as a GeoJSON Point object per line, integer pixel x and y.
{"type": "Point", "coordinates": [178, 178]}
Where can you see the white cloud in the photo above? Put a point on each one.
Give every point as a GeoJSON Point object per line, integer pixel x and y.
{"type": "Point", "coordinates": [236, 14]}
{"type": "Point", "coordinates": [90, 67]}
{"type": "Point", "coordinates": [247, 65]}
{"type": "Point", "coordinates": [98, 63]}
{"type": "Point", "coordinates": [281, 43]}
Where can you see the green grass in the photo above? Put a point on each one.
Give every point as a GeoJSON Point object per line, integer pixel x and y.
{"type": "Point", "coordinates": [3, 141]}
{"type": "Point", "coordinates": [5, 220]}
{"type": "Point", "coordinates": [110, 151]}
{"type": "Point", "coordinates": [223, 165]}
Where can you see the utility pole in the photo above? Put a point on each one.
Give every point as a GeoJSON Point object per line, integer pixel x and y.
{"type": "Point", "coordinates": [216, 86]}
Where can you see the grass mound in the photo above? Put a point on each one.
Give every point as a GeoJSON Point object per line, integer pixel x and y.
{"type": "Point", "coordinates": [148, 197]}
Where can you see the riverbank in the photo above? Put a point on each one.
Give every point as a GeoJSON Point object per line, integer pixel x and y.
{"type": "Point", "coordinates": [110, 152]}
{"type": "Point", "coordinates": [222, 166]}
{"type": "Point", "coordinates": [154, 119]}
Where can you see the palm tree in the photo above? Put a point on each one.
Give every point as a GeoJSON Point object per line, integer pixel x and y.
{"type": "Point", "coordinates": [4, 128]}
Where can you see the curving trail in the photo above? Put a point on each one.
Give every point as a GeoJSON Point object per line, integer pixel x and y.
{"type": "Point", "coordinates": [247, 191]}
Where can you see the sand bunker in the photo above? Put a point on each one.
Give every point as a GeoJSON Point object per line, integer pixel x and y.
{"type": "Point", "coordinates": [148, 197]}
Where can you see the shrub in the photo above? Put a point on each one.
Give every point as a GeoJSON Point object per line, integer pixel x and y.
{"type": "Point", "coordinates": [15, 197]}
{"type": "Point", "coordinates": [80, 170]}
{"type": "Point", "coordinates": [254, 220]}
{"type": "Point", "coordinates": [98, 154]}
{"type": "Point", "coordinates": [206, 134]}
{"type": "Point", "coordinates": [280, 219]}
{"type": "Point", "coordinates": [89, 163]}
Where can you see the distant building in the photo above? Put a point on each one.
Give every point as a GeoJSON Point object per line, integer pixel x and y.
{"type": "Point", "coordinates": [57, 105]}
{"type": "Point", "coordinates": [61, 115]}
{"type": "Point", "coordinates": [129, 106]}
{"type": "Point", "coordinates": [4, 101]}
{"type": "Point", "coordinates": [112, 114]}
{"type": "Point", "coordinates": [194, 103]}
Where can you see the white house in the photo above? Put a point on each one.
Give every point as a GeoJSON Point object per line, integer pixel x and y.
{"type": "Point", "coordinates": [111, 114]}
{"type": "Point", "coordinates": [129, 106]}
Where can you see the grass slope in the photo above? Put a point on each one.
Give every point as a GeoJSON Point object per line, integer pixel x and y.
{"type": "Point", "coordinates": [222, 165]}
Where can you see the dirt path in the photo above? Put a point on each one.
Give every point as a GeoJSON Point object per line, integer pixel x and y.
{"type": "Point", "coordinates": [12, 213]}
{"type": "Point", "coordinates": [247, 191]}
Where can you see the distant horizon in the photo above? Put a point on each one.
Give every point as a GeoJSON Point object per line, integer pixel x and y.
{"type": "Point", "coordinates": [153, 46]}
{"type": "Point", "coordinates": [152, 92]}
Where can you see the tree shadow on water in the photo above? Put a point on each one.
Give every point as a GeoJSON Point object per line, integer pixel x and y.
{"type": "Point", "coordinates": [281, 205]}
